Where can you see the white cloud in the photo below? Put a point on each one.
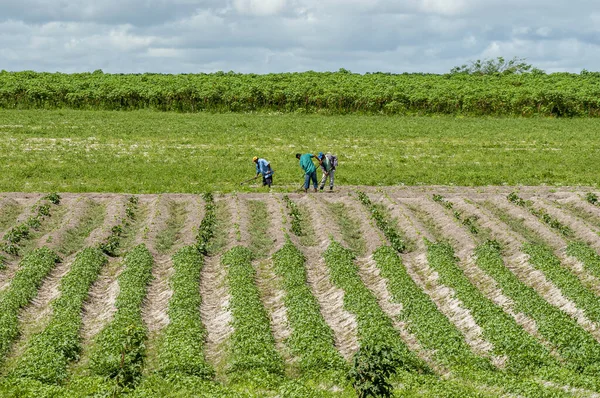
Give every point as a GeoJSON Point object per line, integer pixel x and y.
{"type": "Point", "coordinates": [293, 35]}
{"type": "Point", "coordinates": [259, 7]}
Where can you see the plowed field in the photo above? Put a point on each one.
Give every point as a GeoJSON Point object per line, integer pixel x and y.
{"type": "Point", "coordinates": [472, 293]}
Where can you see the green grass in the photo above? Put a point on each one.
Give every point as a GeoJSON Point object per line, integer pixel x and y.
{"type": "Point", "coordinates": [260, 240]}
{"type": "Point", "coordinates": [9, 214]}
{"type": "Point", "coordinates": [349, 227]}
{"type": "Point", "coordinates": [167, 237]}
{"type": "Point", "coordinates": [74, 238]}
{"type": "Point", "coordinates": [152, 152]}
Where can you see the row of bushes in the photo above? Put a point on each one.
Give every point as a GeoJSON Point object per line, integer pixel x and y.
{"type": "Point", "coordinates": [560, 94]}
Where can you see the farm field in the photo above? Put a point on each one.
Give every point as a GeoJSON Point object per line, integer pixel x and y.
{"type": "Point", "coordinates": [158, 152]}
{"type": "Point", "coordinates": [472, 291]}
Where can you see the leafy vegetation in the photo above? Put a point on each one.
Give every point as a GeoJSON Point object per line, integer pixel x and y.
{"type": "Point", "coordinates": [260, 241]}
{"type": "Point", "coordinates": [349, 227]}
{"type": "Point", "coordinates": [252, 347]}
{"type": "Point", "coordinates": [542, 258]}
{"type": "Point", "coordinates": [206, 230]}
{"type": "Point", "coordinates": [181, 347]}
{"type": "Point", "coordinates": [397, 241]}
{"type": "Point", "coordinates": [112, 243]}
{"type": "Point", "coordinates": [524, 353]}
{"type": "Point", "coordinates": [542, 214]}
{"type": "Point", "coordinates": [588, 256]}
{"type": "Point", "coordinates": [375, 329]}
{"type": "Point", "coordinates": [470, 221]}
{"type": "Point", "coordinates": [48, 353]}
{"type": "Point", "coordinates": [167, 237]}
{"type": "Point", "coordinates": [74, 238]}
{"type": "Point", "coordinates": [119, 350]}
{"type": "Point", "coordinates": [13, 238]}
{"type": "Point", "coordinates": [591, 198]}
{"type": "Point", "coordinates": [311, 339]}
{"type": "Point", "coordinates": [577, 347]}
{"type": "Point", "coordinates": [294, 214]}
{"type": "Point", "coordinates": [495, 66]}
{"type": "Point", "coordinates": [371, 370]}
{"type": "Point", "coordinates": [434, 331]}
{"type": "Point", "coordinates": [23, 288]}
{"type": "Point", "coordinates": [492, 87]}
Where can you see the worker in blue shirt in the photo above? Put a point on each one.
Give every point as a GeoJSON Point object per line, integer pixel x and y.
{"type": "Point", "coordinates": [264, 167]}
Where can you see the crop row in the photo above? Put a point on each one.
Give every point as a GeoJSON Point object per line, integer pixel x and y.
{"type": "Point", "coordinates": [470, 221]}
{"type": "Point", "coordinates": [311, 339]}
{"type": "Point", "coordinates": [181, 347]}
{"type": "Point", "coordinates": [111, 244]}
{"type": "Point", "coordinates": [433, 330]}
{"type": "Point", "coordinates": [48, 353]}
{"type": "Point", "coordinates": [383, 224]}
{"type": "Point", "coordinates": [572, 342]}
{"type": "Point", "coordinates": [544, 260]}
{"type": "Point", "coordinates": [23, 288]}
{"type": "Point", "coordinates": [541, 214]}
{"type": "Point", "coordinates": [375, 329]}
{"type": "Point", "coordinates": [508, 338]}
{"type": "Point", "coordinates": [119, 349]}
{"type": "Point", "coordinates": [22, 231]}
{"type": "Point", "coordinates": [206, 230]}
{"type": "Point", "coordinates": [559, 94]}
{"type": "Point", "coordinates": [295, 215]}
{"type": "Point", "coordinates": [252, 347]}
{"type": "Point", "coordinates": [588, 256]}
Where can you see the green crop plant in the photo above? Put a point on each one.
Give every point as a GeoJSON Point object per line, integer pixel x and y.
{"type": "Point", "coordinates": [53, 198]}
{"type": "Point", "coordinates": [588, 256]}
{"type": "Point", "coordinates": [110, 246]}
{"type": "Point", "coordinates": [576, 346]}
{"type": "Point", "coordinates": [48, 353]}
{"type": "Point", "coordinates": [312, 339]}
{"type": "Point", "coordinates": [206, 230]}
{"type": "Point", "coordinates": [470, 222]}
{"type": "Point", "coordinates": [541, 214]}
{"type": "Point", "coordinates": [374, 327]}
{"type": "Point", "coordinates": [181, 348]}
{"type": "Point", "coordinates": [252, 347]}
{"type": "Point", "coordinates": [432, 328]}
{"type": "Point", "coordinates": [542, 258]}
{"type": "Point", "coordinates": [33, 268]}
{"type": "Point", "coordinates": [592, 198]}
{"type": "Point", "coordinates": [295, 215]}
{"type": "Point", "coordinates": [14, 237]}
{"type": "Point", "coordinates": [524, 353]}
{"type": "Point", "coordinates": [397, 241]}
{"type": "Point", "coordinates": [371, 371]}
{"type": "Point", "coordinates": [118, 351]}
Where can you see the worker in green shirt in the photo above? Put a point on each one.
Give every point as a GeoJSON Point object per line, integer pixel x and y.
{"type": "Point", "coordinates": [310, 171]}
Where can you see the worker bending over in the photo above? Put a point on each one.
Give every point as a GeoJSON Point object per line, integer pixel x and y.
{"type": "Point", "coordinates": [264, 167]}
{"type": "Point", "coordinates": [310, 171]}
{"type": "Point", "coordinates": [328, 163]}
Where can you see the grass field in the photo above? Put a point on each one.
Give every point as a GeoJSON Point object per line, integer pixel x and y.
{"type": "Point", "coordinates": [151, 152]}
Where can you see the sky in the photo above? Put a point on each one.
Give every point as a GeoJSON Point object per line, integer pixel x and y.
{"type": "Point", "coordinates": [269, 36]}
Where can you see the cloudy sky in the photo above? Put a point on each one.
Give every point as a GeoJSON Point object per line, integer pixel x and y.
{"type": "Point", "coordinates": [262, 36]}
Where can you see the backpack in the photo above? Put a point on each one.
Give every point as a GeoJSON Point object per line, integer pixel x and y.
{"type": "Point", "coordinates": [334, 161]}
